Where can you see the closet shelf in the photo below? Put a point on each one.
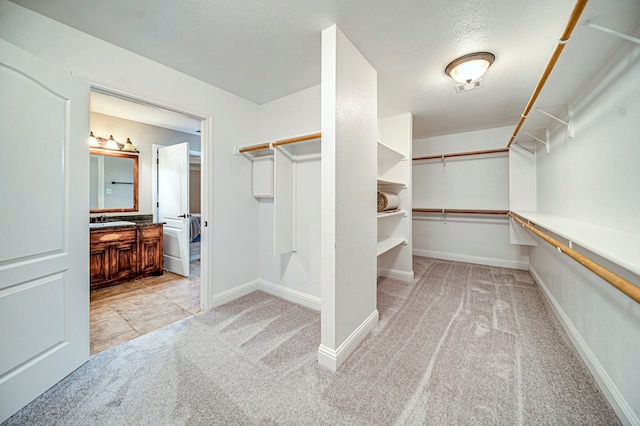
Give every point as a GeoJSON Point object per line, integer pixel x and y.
{"type": "Point", "coordinates": [462, 154]}
{"type": "Point", "coordinates": [385, 152]}
{"type": "Point", "coordinates": [621, 248]}
{"type": "Point", "coordinates": [387, 185]}
{"type": "Point", "coordinates": [389, 243]}
{"type": "Point", "coordinates": [382, 215]}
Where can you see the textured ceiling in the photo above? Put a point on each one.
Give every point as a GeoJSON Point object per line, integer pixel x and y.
{"type": "Point", "coordinates": [262, 50]}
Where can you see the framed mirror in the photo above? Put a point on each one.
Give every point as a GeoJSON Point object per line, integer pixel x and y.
{"type": "Point", "coordinates": [113, 182]}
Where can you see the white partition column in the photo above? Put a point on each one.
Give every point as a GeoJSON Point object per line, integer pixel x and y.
{"type": "Point", "coordinates": [348, 198]}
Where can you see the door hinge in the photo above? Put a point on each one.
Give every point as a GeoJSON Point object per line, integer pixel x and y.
{"type": "Point", "coordinates": [158, 204]}
{"type": "Point", "coordinates": [206, 223]}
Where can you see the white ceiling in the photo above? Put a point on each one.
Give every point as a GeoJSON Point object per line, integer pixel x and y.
{"type": "Point", "coordinates": [263, 50]}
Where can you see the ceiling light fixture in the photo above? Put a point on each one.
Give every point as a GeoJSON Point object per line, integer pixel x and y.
{"type": "Point", "coordinates": [471, 67]}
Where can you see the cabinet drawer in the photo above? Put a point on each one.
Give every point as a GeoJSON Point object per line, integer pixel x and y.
{"type": "Point", "coordinates": [113, 234]}
{"type": "Point", "coordinates": [151, 231]}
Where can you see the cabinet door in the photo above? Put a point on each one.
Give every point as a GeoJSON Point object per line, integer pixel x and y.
{"type": "Point", "coordinates": [123, 258]}
{"type": "Point", "coordinates": [99, 270]}
{"type": "Point", "coordinates": [150, 250]}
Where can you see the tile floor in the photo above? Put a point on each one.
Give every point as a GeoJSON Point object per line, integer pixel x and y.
{"type": "Point", "coordinates": [123, 312]}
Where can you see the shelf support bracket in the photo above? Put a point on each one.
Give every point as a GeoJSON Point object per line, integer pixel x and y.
{"type": "Point", "coordinates": [545, 143]}
{"type": "Point", "coordinates": [624, 36]}
{"type": "Point", "coordinates": [569, 123]}
{"type": "Point", "coordinates": [444, 216]}
{"type": "Point", "coordinates": [524, 147]}
{"type": "Point", "coordinates": [444, 164]}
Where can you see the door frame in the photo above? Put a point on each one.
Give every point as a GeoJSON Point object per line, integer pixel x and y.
{"type": "Point", "coordinates": [206, 176]}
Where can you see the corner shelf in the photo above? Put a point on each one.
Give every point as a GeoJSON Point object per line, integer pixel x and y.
{"type": "Point", "coordinates": [389, 243]}
{"type": "Point", "coordinates": [385, 152]}
{"type": "Point", "coordinates": [382, 215]}
{"type": "Point", "coordinates": [391, 186]}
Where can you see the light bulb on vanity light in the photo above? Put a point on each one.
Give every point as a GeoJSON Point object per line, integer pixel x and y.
{"type": "Point", "coordinates": [93, 142]}
{"type": "Point", "coordinates": [128, 146]}
{"type": "Point", "coordinates": [111, 144]}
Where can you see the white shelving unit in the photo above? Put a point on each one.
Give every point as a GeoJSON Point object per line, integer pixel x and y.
{"type": "Point", "coordinates": [395, 254]}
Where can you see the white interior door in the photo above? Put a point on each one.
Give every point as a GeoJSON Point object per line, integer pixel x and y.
{"type": "Point", "coordinates": [173, 200]}
{"type": "Point", "coordinates": [44, 231]}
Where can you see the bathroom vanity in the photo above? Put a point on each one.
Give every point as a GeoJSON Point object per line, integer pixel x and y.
{"type": "Point", "coordinates": [123, 251]}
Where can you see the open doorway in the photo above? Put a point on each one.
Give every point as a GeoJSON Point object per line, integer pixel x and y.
{"type": "Point", "coordinates": [134, 307]}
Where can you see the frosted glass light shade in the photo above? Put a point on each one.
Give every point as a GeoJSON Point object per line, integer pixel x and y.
{"type": "Point", "coordinates": [93, 142]}
{"type": "Point", "coordinates": [111, 144]}
{"type": "Point", "coordinates": [471, 67]}
{"type": "Point", "coordinates": [128, 146]}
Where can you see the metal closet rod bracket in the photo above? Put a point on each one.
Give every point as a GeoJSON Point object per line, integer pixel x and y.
{"type": "Point", "coordinates": [568, 123]}
{"type": "Point", "coordinates": [624, 36]}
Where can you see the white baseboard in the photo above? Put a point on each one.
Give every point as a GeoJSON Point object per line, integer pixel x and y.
{"type": "Point", "coordinates": [333, 359]}
{"type": "Point", "coordinates": [282, 292]}
{"type": "Point", "coordinates": [294, 296]}
{"type": "Point", "coordinates": [456, 257]}
{"type": "Point", "coordinates": [234, 293]}
{"type": "Point", "coordinates": [396, 274]}
{"type": "Point", "coordinates": [610, 390]}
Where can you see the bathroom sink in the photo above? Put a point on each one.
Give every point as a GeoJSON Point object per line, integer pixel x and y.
{"type": "Point", "coordinates": [110, 224]}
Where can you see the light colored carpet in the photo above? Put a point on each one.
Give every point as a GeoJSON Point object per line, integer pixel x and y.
{"type": "Point", "coordinates": [466, 344]}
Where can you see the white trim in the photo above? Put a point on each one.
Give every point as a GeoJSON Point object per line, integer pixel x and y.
{"type": "Point", "coordinates": [294, 296]}
{"type": "Point", "coordinates": [396, 274]}
{"type": "Point", "coordinates": [276, 290]}
{"type": "Point", "coordinates": [234, 293]}
{"type": "Point", "coordinates": [456, 257]}
{"type": "Point", "coordinates": [608, 387]}
{"type": "Point", "coordinates": [333, 359]}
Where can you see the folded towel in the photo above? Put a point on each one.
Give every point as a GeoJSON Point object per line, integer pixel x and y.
{"type": "Point", "coordinates": [388, 201]}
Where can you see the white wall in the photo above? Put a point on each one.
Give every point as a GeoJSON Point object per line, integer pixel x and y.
{"type": "Point", "coordinates": [231, 210]}
{"type": "Point", "coordinates": [143, 136]}
{"type": "Point", "coordinates": [194, 189]}
{"type": "Point", "coordinates": [474, 182]}
{"type": "Point", "coordinates": [296, 275]}
{"type": "Point", "coordinates": [348, 198]}
{"type": "Point", "coordinates": [595, 178]}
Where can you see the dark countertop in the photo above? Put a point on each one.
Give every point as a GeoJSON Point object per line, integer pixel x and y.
{"type": "Point", "coordinates": [116, 221]}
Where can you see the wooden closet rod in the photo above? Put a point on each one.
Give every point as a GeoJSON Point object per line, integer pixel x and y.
{"type": "Point", "coordinates": [462, 154]}
{"type": "Point", "coordinates": [461, 211]}
{"type": "Point", "coordinates": [297, 139]}
{"type": "Point", "coordinates": [254, 148]}
{"type": "Point", "coordinates": [564, 38]}
{"type": "Point", "coordinates": [269, 145]}
{"type": "Point", "coordinates": [612, 278]}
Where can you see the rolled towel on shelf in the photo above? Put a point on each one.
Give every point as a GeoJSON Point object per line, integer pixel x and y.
{"type": "Point", "coordinates": [388, 201]}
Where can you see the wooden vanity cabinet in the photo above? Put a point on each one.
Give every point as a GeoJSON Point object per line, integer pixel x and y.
{"type": "Point", "coordinates": [123, 254]}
